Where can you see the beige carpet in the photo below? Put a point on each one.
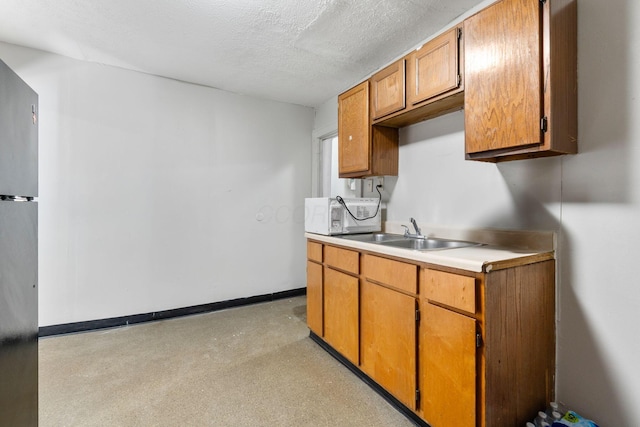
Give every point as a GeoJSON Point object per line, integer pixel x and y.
{"type": "Point", "coordinates": [247, 366]}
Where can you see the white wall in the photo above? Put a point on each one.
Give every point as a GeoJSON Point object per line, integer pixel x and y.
{"type": "Point", "coordinates": [151, 191]}
{"type": "Point", "coordinates": [591, 199]}
{"type": "Point", "coordinates": [600, 293]}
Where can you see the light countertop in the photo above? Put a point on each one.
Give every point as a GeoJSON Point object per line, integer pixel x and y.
{"type": "Point", "coordinates": [483, 258]}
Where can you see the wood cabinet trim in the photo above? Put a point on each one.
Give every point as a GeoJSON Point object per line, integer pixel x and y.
{"type": "Point", "coordinates": [393, 288]}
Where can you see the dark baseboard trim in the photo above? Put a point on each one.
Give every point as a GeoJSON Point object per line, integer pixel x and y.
{"type": "Point", "coordinates": [371, 383]}
{"type": "Point", "coordinates": [69, 328]}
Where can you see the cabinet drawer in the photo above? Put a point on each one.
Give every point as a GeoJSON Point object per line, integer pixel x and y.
{"type": "Point", "coordinates": [314, 251]}
{"type": "Point", "coordinates": [450, 289]}
{"type": "Point", "coordinates": [342, 259]}
{"type": "Point", "coordinates": [397, 274]}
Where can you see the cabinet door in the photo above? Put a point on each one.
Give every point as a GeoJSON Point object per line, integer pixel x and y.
{"type": "Point", "coordinates": [354, 147]}
{"type": "Point", "coordinates": [314, 297]}
{"type": "Point", "coordinates": [388, 340]}
{"type": "Point", "coordinates": [341, 313]}
{"type": "Point", "coordinates": [447, 367]}
{"type": "Point", "coordinates": [434, 68]}
{"type": "Point", "coordinates": [503, 84]}
{"type": "Point", "coordinates": [387, 87]}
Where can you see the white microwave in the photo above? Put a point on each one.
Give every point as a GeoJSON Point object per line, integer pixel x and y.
{"type": "Point", "coordinates": [332, 216]}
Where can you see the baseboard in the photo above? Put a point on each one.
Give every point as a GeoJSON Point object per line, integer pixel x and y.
{"type": "Point", "coordinates": [69, 328]}
{"type": "Point", "coordinates": [401, 407]}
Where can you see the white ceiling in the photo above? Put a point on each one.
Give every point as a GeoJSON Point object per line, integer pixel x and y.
{"type": "Point", "coordinates": [298, 51]}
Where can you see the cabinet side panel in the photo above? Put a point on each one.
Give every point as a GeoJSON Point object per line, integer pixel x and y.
{"type": "Point", "coordinates": [519, 342]}
{"type": "Point", "coordinates": [384, 158]}
{"type": "Point", "coordinates": [502, 76]}
{"type": "Point", "coordinates": [561, 74]}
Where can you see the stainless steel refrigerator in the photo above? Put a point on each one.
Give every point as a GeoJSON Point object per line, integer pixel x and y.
{"type": "Point", "coordinates": [18, 251]}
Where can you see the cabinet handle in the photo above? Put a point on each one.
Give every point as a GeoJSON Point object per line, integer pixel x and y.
{"type": "Point", "coordinates": [543, 124]}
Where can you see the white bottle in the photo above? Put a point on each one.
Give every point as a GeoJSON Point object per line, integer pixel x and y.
{"type": "Point", "coordinates": [542, 420]}
{"type": "Point", "coordinates": [556, 407]}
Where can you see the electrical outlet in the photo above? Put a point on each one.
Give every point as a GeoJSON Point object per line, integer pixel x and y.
{"type": "Point", "coordinates": [368, 185]}
{"type": "Point", "coordinates": [378, 181]}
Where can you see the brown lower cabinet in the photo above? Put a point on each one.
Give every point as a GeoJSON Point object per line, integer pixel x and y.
{"type": "Point", "coordinates": [342, 301]}
{"type": "Point", "coordinates": [453, 347]}
{"type": "Point", "coordinates": [315, 295]}
{"type": "Point", "coordinates": [388, 340]}
{"type": "Point", "coordinates": [448, 348]}
{"type": "Point", "coordinates": [341, 313]}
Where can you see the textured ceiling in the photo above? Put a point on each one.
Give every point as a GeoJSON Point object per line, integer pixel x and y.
{"type": "Point", "coordinates": [298, 51]}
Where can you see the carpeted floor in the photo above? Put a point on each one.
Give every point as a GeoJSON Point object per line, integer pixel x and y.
{"type": "Point", "coordinates": [247, 366]}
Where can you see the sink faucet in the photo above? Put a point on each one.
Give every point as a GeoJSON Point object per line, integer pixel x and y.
{"type": "Point", "coordinates": [415, 226]}
{"type": "Point", "coordinates": [417, 235]}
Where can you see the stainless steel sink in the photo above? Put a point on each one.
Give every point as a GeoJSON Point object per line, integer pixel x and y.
{"type": "Point", "coordinates": [373, 237]}
{"type": "Point", "coordinates": [428, 244]}
{"type": "Point", "coordinates": [415, 244]}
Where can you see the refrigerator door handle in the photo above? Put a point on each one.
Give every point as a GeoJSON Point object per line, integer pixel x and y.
{"type": "Point", "coordinates": [17, 198]}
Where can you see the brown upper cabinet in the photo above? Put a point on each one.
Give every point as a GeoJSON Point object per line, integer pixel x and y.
{"type": "Point", "coordinates": [387, 86]}
{"type": "Point", "coordinates": [363, 150]}
{"type": "Point", "coordinates": [434, 68]}
{"type": "Point", "coordinates": [521, 80]}
{"type": "Point", "coordinates": [512, 67]}
{"type": "Point", "coordinates": [433, 85]}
